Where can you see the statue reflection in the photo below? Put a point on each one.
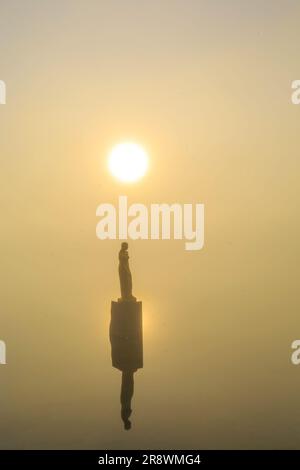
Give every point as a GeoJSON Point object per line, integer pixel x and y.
{"type": "Point", "coordinates": [126, 336]}
{"type": "Point", "coordinates": [127, 390]}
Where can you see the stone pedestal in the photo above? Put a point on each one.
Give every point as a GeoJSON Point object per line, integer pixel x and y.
{"type": "Point", "coordinates": [126, 335]}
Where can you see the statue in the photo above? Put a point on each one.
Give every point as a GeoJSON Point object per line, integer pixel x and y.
{"type": "Point", "coordinates": [126, 336]}
{"type": "Point", "coordinates": [127, 389]}
{"type": "Point", "coordinates": [125, 275]}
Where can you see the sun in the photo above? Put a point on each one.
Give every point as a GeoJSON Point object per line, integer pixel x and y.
{"type": "Point", "coordinates": [128, 162]}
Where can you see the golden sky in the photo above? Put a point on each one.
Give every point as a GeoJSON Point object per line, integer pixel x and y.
{"type": "Point", "coordinates": [205, 87]}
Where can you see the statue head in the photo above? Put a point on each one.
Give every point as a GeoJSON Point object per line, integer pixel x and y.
{"type": "Point", "coordinates": [124, 246]}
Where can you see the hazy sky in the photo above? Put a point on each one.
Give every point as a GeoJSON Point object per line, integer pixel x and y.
{"type": "Point", "coordinates": [205, 87]}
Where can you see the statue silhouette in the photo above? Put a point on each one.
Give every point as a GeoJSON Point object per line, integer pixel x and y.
{"type": "Point", "coordinates": [127, 389]}
{"type": "Point", "coordinates": [125, 274]}
{"type": "Point", "coordinates": [126, 335]}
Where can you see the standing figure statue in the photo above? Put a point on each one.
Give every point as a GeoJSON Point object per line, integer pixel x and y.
{"type": "Point", "coordinates": [125, 275]}
{"type": "Point", "coordinates": [126, 336]}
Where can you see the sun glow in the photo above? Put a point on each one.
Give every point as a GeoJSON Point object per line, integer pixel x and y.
{"type": "Point", "coordinates": [128, 162]}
